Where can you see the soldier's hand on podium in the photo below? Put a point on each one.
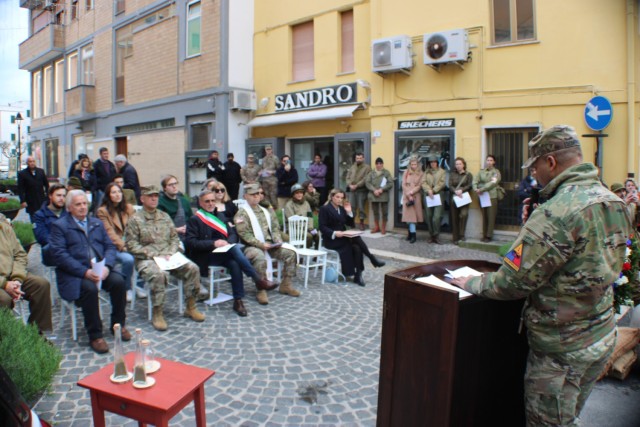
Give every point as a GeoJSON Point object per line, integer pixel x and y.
{"type": "Point", "coordinates": [461, 282]}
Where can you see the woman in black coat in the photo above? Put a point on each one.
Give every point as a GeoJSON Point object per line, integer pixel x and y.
{"type": "Point", "coordinates": [333, 218]}
{"type": "Point", "coordinates": [209, 229]}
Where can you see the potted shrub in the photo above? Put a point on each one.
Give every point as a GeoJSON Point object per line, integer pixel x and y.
{"type": "Point", "coordinates": [9, 185]}
{"type": "Point", "coordinates": [29, 360]}
{"type": "Point", "coordinates": [9, 207]}
{"type": "Point", "coordinates": [24, 233]}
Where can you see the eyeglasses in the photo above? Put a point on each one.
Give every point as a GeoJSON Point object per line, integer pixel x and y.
{"type": "Point", "coordinates": [209, 201]}
{"type": "Point", "coordinates": [172, 184]}
{"type": "Point", "coordinates": [219, 190]}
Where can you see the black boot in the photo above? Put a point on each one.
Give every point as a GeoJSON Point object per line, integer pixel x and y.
{"type": "Point", "coordinates": [409, 235]}
{"type": "Point", "coordinates": [376, 262]}
{"type": "Point", "coordinates": [358, 280]}
{"type": "Point", "coordinates": [412, 238]}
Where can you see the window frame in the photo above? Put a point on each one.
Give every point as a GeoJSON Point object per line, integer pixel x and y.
{"type": "Point", "coordinates": [191, 20]}
{"type": "Point", "coordinates": [47, 90]}
{"type": "Point", "coordinates": [37, 94]}
{"type": "Point", "coordinates": [513, 24]}
{"type": "Point", "coordinates": [58, 77]}
{"type": "Point", "coordinates": [347, 40]}
{"type": "Point", "coordinates": [87, 65]}
{"type": "Point", "coordinates": [303, 65]}
{"type": "Point", "coordinates": [72, 71]}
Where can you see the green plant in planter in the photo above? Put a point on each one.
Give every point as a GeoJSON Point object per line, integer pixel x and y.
{"type": "Point", "coordinates": [30, 361]}
{"type": "Point", "coordinates": [8, 182]}
{"type": "Point", "coordinates": [7, 204]}
{"type": "Point", "coordinates": [24, 232]}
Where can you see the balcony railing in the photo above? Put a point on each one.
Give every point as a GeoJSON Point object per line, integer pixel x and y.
{"type": "Point", "coordinates": [42, 47]}
{"type": "Point", "coordinates": [80, 102]}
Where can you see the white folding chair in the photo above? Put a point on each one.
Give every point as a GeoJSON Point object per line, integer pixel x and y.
{"type": "Point", "coordinates": [50, 275]}
{"type": "Point", "coordinates": [73, 311]}
{"type": "Point", "coordinates": [217, 275]}
{"type": "Point", "coordinates": [239, 202]}
{"type": "Point", "coordinates": [20, 310]}
{"type": "Point", "coordinates": [307, 258]}
{"type": "Point", "coordinates": [284, 221]}
{"type": "Point", "coordinates": [333, 260]}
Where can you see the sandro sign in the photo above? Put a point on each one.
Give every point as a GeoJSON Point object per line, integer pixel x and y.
{"type": "Point", "coordinates": [322, 97]}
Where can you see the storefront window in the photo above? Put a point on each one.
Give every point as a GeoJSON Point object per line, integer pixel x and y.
{"type": "Point", "coordinates": [347, 150]}
{"type": "Point", "coordinates": [51, 152]}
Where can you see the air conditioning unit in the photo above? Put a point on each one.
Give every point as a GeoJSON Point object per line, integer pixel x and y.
{"type": "Point", "coordinates": [243, 100]}
{"type": "Point", "coordinates": [392, 54]}
{"type": "Point", "coordinates": [446, 46]}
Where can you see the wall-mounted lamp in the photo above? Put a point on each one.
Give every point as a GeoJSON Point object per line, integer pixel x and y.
{"type": "Point", "coordinates": [367, 87]}
{"type": "Point", "coordinates": [264, 102]}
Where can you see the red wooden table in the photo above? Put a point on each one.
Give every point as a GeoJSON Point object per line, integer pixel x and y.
{"type": "Point", "coordinates": [176, 385]}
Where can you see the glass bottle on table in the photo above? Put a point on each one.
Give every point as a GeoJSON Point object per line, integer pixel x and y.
{"type": "Point", "coordinates": [120, 373]}
{"type": "Point", "coordinates": [139, 369]}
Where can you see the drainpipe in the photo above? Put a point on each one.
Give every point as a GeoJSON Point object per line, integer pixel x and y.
{"type": "Point", "coordinates": [631, 90]}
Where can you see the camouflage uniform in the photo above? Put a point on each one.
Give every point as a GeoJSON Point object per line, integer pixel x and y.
{"type": "Point", "coordinates": [565, 260]}
{"type": "Point", "coordinates": [434, 180]}
{"type": "Point", "coordinates": [269, 183]}
{"type": "Point", "coordinates": [357, 175]}
{"type": "Point", "coordinates": [379, 204]}
{"type": "Point", "coordinates": [488, 180]}
{"type": "Point", "coordinates": [150, 234]}
{"type": "Point", "coordinates": [254, 250]}
{"type": "Point", "coordinates": [250, 173]}
{"type": "Point", "coordinates": [302, 208]}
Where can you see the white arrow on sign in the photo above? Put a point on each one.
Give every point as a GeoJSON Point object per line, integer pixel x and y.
{"type": "Point", "coordinates": [594, 113]}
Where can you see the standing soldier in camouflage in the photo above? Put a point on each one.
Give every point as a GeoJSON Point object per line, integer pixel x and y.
{"type": "Point", "coordinates": [268, 179]}
{"type": "Point", "coordinates": [433, 182]}
{"type": "Point", "coordinates": [488, 180]}
{"type": "Point", "coordinates": [379, 183]}
{"type": "Point", "coordinates": [251, 171]}
{"type": "Point", "coordinates": [151, 233]}
{"type": "Point", "coordinates": [357, 190]}
{"type": "Point", "coordinates": [259, 231]}
{"type": "Point", "coordinates": [565, 260]}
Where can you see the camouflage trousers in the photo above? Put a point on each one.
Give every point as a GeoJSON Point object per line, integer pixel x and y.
{"type": "Point", "coordinates": [433, 218]}
{"type": "Point", "coordinates": [357, 199]}
{"type": "Point", "coordinates": [158, 279]}
{"type": "Point", "coordinates": [556, 385]}
{"type": "Point", "coordinates": [270, 188]}
{"type": "Point", "coordinates": [259, 262]}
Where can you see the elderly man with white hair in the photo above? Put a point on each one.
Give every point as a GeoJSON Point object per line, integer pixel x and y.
{"type": "Point", "coordinates": [78, 241]}
{"type": "Point", "coordinates": [129, 174]}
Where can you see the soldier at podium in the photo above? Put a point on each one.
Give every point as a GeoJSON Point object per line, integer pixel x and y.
{"type": "Point", "coordinates": [564, 261]}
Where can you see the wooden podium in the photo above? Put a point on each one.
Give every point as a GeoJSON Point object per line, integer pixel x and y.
{"type": "Point", "coordinates": [445, 361]}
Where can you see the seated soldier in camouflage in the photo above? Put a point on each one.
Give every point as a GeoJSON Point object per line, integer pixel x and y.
{"type": "Point", "coordinates": [259, 231]}
{"type": "Point", "coordinates": [151, 233]}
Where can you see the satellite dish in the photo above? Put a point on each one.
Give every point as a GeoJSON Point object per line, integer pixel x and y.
{"type": "Point", "coordinates": [436, 46]}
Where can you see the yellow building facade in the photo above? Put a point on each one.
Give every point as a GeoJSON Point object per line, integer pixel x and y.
{"type": "Point", "coordinates": [525, 65]}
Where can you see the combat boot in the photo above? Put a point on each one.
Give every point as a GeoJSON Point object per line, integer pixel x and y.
{"type": "Point", "coordinates": [376, 229]}
{"type": "Point", "coordinates": [287, 289]}
{"type": "Point", "coordinates": [262, 298]}
{"type": "Point", "coordinates": [192, 311]}
{"type": "Point", "coordinates": [157, 320]}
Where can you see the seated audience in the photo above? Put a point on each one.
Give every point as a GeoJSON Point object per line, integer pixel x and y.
{"type": "Point", "coordinates": [311, 195]}
{"type": "Point", "coordinates": [209, 229]}
{"type": "Point", "coordinates": [298, 206]}
{"type": "Point", "coordinates": [175, 204]}
{"type": "Point", "coordinates": [48, 214]}
{"type": "Point", "coordinates": [76, 241]}
{"type": "Point", "coordinates": [16, 283]}
{"type": "Point", "coordinates": [333, 220]}
{"type": "Point", "coordinates": [151, 233]}
{"type": "Point", "coordinates": [129, 194]}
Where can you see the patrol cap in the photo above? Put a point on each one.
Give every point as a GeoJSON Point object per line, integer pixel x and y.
{"type": "Point", "coordinates": [550, 140]}
{"type": "Point", "coordinates": [379, 160]}
{"type": "Point", "coordinates": [616, 186]}
{"type": "Point", "coordinates": [297, 187]}
{"type": "Point", "coordinates": [74, 181]}
{"type": "Point", "coordinates": [251, 189]}
{"type": "Point", "coordinates": [251, 156]}
{"type": "Point", "coordinates": [433, 159]}
{"type": "Point", "coordinates": [149, 190]}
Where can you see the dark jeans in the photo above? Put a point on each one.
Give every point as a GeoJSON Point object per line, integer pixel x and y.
{"type": "Point", "coordinates": [88, 301]}
{"type": "Point", "coordinates": [237, 263]}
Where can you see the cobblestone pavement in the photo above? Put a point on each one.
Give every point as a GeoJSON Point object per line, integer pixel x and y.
{"type": "Point", "coordinates": [311, 360]}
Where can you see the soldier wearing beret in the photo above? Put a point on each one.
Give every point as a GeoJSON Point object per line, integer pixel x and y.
{"type": "Point", "coordinates": [564, 261]}
{"type": "Point", "coordinates": [259, 231]}
{"type": "Point", "coordinates": [151, 233]}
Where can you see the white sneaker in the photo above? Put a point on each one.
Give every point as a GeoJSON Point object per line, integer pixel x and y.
{"type": "Point", "coordinates": [140, 293]}
{"type": "Point", "coordinates": [129, 296]}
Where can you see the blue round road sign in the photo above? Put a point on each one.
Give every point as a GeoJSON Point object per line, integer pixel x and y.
{"type": "Point", "coordinates": [598, 113]}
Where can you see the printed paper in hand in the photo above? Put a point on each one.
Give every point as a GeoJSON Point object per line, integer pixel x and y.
{"type": "Point", "coordinates": [463, 200]}
{"type": "Point", "coordinates": [432, 203]}
{"type": "Point", "coordinates": [176, 260]}
{"type": "Point", "coordinates": [383, 182]}
{"type": "Point", "coordinates": [462, 272]}
{"type": "Point", "coordinates": [485, 199]}
{"type": "Point", "coordinates": [351, 233]}
{"type": "Point", "coordinates": [223, 249]}
{"type": "Point", "coordinates": [97, 268]}
{"type": "Point", "coordinates": [433, 280]}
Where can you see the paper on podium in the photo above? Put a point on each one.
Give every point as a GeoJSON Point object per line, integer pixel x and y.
{"type": "Point", "coordinates": [433, 280]}
{"type": "Point", "coordinates": [463, 200]}
{"type": "Point", "coordinates": [223, 249]}
{"type": "Point", "coordinates": [485, 199]}
{"type": "Point", "coordinates": [433, 202]}
{"type": "Point", "coordinates": [462, 272]}
{"type": "Point", "coordinates": [176, 260]}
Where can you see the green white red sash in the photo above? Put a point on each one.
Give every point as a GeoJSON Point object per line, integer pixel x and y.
{"type": "Point", "coordinates": [213, 221]}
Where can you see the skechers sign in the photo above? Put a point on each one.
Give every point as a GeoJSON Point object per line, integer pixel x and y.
{"type": "Point", "coordinates": [426, 124]}
{"type": "Point", "coordinates": [323, 97]}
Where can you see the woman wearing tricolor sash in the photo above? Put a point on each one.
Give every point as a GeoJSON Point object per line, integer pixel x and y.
{"type": "Point", "coordinates": [210, 229]}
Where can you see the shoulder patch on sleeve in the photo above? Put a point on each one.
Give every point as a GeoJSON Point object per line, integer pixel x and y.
{"type": "Point", "coordinates": [238, 220]}
{"type": "Point", "coordinates": [513, 257]}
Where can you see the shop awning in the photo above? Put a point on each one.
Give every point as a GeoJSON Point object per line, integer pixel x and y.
{"type": "Point", "coordinates": [305, 116]}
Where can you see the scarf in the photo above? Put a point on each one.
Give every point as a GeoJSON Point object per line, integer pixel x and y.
{"type": "Point", "coordinates": [213, 221]}
{"type": "Point", "coordinates": [257, 231]}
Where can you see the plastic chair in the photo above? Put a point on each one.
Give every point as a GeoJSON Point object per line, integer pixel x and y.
{"type": "Point", "coordinates": [333, 260]}
{"type": "Point", "coordinates": [20, 310]}
{"type": "Point", "coordinates": [298, 226]}
{"type": "Point", "coordinates": [50, 275]}
{"type": "Point", "coordinates": [73, 310]}
{"type": "Point", "coordinates": [217, 275]}
{"type": "Point", "coordinates": [284, 221]}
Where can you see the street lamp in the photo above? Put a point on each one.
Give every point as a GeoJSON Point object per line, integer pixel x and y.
{"type": "Point", "coordinates": [19, 120]}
